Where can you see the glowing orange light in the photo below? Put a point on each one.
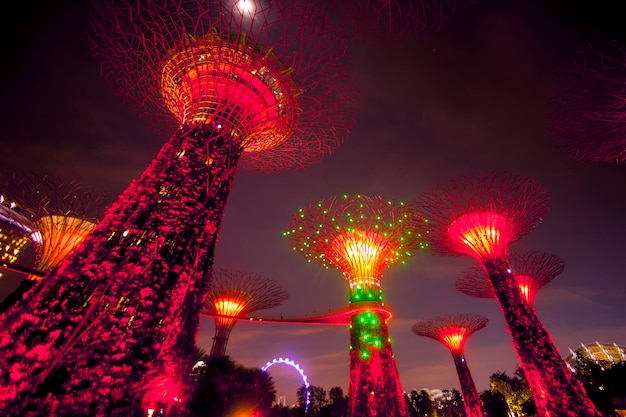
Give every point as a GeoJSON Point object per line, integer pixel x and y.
{"type": "Point", "coordinates": [236, 87]}
{"type": "Point", "coordinates": [525, 285]}
{"type": "Point", "coordinates": [364, 253]}
{"type": "Point", "coordinates": [59, 236]}
{"type": "Point", "coordinates": [454, 337]}
{"type": "Point", "coordinates": [482, 235]}
{"type": "Point", "coordinates": [225, 307]}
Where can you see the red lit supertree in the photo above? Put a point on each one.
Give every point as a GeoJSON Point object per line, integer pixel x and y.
{"type": "Point", "coordinates": [261, 87]}
{"type": "Point", "coordinates": [532, 270]}
{"type": "Point", "coordinates": [480, 216]}
{"type": "Point", "coordinates": [453, 330]}
{"type": "Point", "coordinates": [361, 236]}
{"type": "Point", "coordinates": [588, 117]}
{"type": "Point", "coordinates": [234, 294]}
{"type": "Point", "coordinates": [54, 214]}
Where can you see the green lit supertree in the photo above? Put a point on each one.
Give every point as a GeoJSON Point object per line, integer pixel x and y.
{"type": "Point", "coordinates": [361, 236]}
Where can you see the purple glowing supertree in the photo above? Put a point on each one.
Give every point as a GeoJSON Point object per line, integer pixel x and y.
{"type": "Point", "coordinates": [257, 85]}
{"type": "Point", "coordinates": [234, 294]}
{"type": "Point", "coordinates": [480, 216]}
{"type": "Point", "coordinates": [361, 236]}
{"type": "Point", "coordinates": [453, 330]}
{"type": "Point", "coordinates": [532, 270]}
{"type": "Point", "coordinates": [588, 119]}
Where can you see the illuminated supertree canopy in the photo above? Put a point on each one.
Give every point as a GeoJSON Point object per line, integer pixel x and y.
{"type": "Point", "coordinates": [361, 236]}
{"type": "Point", "coordinates": [480, 216]}
{"type": "Point", "coordinates": [532, 270]}
{"type": "Point", "coordinates": [53, 214]}
{"type": "Point", "coordinates": [453, 330]}
{"type": "Point", "coordinates": [13, 236]}
{"type": "Point", "coordinates": [234, 293]}
{"type": "Point", "coordinates": [264, 88]}
{"type": "Point", "coordinates": [587, 119]}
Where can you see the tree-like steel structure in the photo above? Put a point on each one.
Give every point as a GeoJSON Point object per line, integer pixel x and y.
{"type": "Point", "coordinates": [379, 21]}
{"type": "Point", "coordinates": [480, 216]}
{"type": "Point", "coordinates": [233, 294]}
{"type": "Point", "coordinates": [361, 236]}
{"type": "Point", "coordinates": [261, 87]}
{"type": "Point", "coordinates": [13, 237]}
{"type": "Point", "coordinates": [587, 119]}
{"type": "Point", "coordinates": [532, 270]}
{"type": "Point", "coordinates": [54, 214]}
{"type": "Point", "coordinates": [453, 330]}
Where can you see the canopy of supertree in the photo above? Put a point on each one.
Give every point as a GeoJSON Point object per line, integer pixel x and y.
{"type": "Point", "coordinates": [386, 21]}
{"type": "Point", "coordinates": [265, 73]}
{"type": "Point", "coordinates": [480, 215]}
{"type": "Point", "coordinates": [452, 330]}
{"type": "Point", "coordinates": [532, 270]}
{"type": "Point", "coordinates": [234, 293]}
{"type": "Point", "coordinates": [14, 234]}
{"type": "Point", "coordinates": [359, 235]}
{"type": "Point", "coordinates": [55, 213]}
{"type": "Point", "coordinates": [587, 117]}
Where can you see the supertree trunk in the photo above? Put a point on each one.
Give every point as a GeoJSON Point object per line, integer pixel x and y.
{"type": "Point", "coordinates": [375, 389]}
{"type": "Point", "coordinates": [556, 391]}
{"type": "Point", "coordinates": [471, 399]}
{"type": "Point", "coordinates": [220, 340]}
{"type": "Point", "coordinates": [125, 306]}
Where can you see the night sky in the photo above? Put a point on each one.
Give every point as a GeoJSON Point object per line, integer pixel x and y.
{"type": "Point", "coordinates": [472, 97]}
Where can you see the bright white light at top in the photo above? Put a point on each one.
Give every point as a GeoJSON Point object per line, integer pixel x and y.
{"type": "Point", "coordinates": [246, 7]}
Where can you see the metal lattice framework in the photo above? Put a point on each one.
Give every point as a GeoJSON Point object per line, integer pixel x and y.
{"type": "Point", "coordinates": [361, 236]}
{"type": "Point", "coordinates": [588, 119]}
{"type": "Point", "coordinates": [480, 216]}
{"type": "Point", "coordinates": [233, 294]}
{"type": "Point", "coordinates": [266, 86]}
{"type": "Point", "coordinates": [264, 73]}
{"type": "Point", "coordinates": [532, 270]}
{"type": "Point", "coordinates": [453, 330]}
{"type": "Point", "coordinates": [377, 21]}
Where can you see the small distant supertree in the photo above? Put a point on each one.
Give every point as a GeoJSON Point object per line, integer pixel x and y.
{"type": "Point", "coordinates": [54, 214]}
{"type": "Point", "coordinates": [588, 118]}
{"type": "Point", "coordinates": [234, 294]}
{"type": "Point", "coordinates": [532, 270]}
{"type": "Point", "coordinates": [480, 216]}
{"type": "Point", "coordinates": [257, 85]}
{"type": "Point", "coordinates": [453, 330]}
{"type": "Point", "coordinates": [361, 236]}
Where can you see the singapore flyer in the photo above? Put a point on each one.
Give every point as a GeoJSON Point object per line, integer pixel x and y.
{"type": "Point", "coordinates": [294, 365]}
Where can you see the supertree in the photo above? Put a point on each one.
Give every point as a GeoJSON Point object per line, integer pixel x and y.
{"type": "Point", "coordinates": [233, 294]}
{"type": "Point", "coordinates": [532, 270]}
{"type": "Point", "coordinates": [361, 236]}
{"type": "Point", "coordinates": [253, 84]}
{"type": "Point", "coordinates": [54, 214]}
{"type": "Point", "coordinates": [453, 330]}
{"type": "Point", "coordinates": [480, 216]}
{"type": "Point", "coordinates": [587, 119]}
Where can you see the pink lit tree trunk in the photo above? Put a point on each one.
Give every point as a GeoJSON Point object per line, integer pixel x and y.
{"type": "Point", "coordinates": [556, 391]}
{"type": "Point", "coordinates": [471, 399]}
{"type": "Point", "coordinates": [374, 389]}
{"type": "Point", "coordinates": [122, 311]}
